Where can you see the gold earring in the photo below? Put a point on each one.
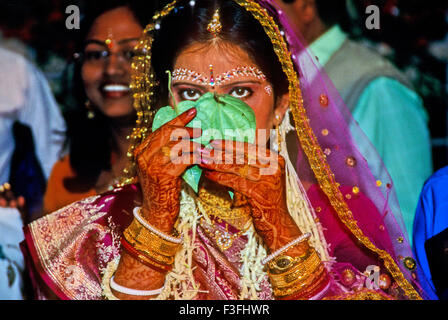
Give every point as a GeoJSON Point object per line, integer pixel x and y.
{"type": "Point", "coordinates": [90, 112]}
{"type": "Point", "coordinates": [277, 129]}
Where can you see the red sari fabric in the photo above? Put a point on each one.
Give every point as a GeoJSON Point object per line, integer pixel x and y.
{"type": "Point", "coordinates": [67, 250]}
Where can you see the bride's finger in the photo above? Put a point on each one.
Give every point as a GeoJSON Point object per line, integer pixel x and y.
{"type": "Point", "coordinates": [186, 160]}
{"type": "Point", "coordinates": [233, 181]}
{"type": "Point", "coordinates": [180, 121]}
{"type": "Point", "coordinates": [251, 153]}
{"type": "Point", "coordinates": [164, 135]}
{"type": "Point", "coordinates": [176, 151]}
{"type": "Point", "coordinates": [184, 118]}
{"type": "Point", "coordinates": [243, 171]}
{"type": "Point", "coordinates": [227, 156]}
{"type": "Point", "coordinates": [176, 133]}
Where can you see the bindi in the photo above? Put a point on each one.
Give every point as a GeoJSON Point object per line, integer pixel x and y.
{"type": "Point", "coordinates": [212, 78]}
{"type": "Point", "coordinates": [108, 41]}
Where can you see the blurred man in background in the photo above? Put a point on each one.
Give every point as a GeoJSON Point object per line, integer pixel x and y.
{"type": "Point", "coordinates": [379, 96]}
{"type": "Point", "coordinates": [32, 132]}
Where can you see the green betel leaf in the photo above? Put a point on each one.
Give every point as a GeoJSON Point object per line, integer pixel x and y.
{"type": "Point", "coordinates": [219, 116]}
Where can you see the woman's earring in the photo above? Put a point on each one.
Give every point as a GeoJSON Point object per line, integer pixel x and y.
{"type": "Point", "coordinates": [90, 112]}
{"type": "Point", "coordinates": [277, 129]}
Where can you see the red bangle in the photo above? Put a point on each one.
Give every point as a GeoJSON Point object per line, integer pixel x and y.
{"type": "Point", "coordinates": [144, 259]}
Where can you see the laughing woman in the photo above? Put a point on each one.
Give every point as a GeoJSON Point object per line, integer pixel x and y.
{"type": "Point", "coordinates": [230, 217]}
{"type": "Point", "coordinates": [97, 131]}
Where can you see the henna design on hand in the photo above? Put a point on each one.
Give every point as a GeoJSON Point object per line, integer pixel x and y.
{"type": "Point", "coordinates": [266, 194]}
{"type": "Point", "coordinates": [135, 275]}
{"type": "Point", "coordinates": [159, 175]}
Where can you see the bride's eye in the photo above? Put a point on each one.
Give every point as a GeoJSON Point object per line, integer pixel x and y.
{"type": "Point", "coordinates": [241, 92]}
{"type": "Point", "coordinates": [190, 94]}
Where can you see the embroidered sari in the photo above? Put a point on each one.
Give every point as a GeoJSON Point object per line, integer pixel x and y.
{"type": "Point", "coordinates": [68, 250]}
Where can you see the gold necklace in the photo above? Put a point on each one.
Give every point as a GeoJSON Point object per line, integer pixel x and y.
{"type": "Point", "coordinates": [223, 239]}
{"type": "Point", "coordinates": [216, 204]}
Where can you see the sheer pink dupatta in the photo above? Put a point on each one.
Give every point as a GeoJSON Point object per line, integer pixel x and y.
{"type": "Point", "coordinates": [342, 172]}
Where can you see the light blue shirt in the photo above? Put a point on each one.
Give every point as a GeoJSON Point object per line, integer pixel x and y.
{"type": "Point", "coordinates": [393, 118]}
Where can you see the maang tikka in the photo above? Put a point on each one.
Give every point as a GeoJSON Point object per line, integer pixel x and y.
{"type": "Point", "coordinates": [215, 26]}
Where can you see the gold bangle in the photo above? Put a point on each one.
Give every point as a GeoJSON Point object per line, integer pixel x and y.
{"type": "Point", "coordinates": [151, 240]}
{"type": "Point", "coordinates": [142, 248]}
{"type": "Point", "coordinates": [150, 244]}
{"type": "Point", "coordinates": [305, 287]}
{"type": "Point", "coordinates": [297, 273]}
{"type": "Point", "coordinates": [298, 281]}
{"type": "Point", "coordinates": [284, 263]}
{"type": "Point", "coordinates": [148, 261]}
{"type": "Point", "coordinates": [152, 254]}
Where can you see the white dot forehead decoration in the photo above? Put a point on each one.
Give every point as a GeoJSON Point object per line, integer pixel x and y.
{"type": "Point", "coordinates": [180, 74]}
{"type": "Point", "coordinates": [268, 90]}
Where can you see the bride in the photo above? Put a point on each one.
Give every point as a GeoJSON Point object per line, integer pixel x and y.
{"type": "Point", "coordinates": [291, 212]}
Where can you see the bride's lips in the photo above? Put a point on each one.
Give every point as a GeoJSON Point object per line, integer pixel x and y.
{"type": "Point", "coordinates": [115, 90]}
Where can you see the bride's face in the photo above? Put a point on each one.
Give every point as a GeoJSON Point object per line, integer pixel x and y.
{"type": "Point", "coordinates": [225, 68]}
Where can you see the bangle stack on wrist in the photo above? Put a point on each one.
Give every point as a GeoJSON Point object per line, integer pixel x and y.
{"type": "Point", "coordinates": [293, 243]}
{"type": "Point", "coordinates": [296, 277]}
{"type": "Point", "coordinates": [149, 245]}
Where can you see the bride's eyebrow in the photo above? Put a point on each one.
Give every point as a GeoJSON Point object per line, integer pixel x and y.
{"type": "Point", "coordinates": [235, 83]}
{"type": "Point", "coordinates": [180, 83]}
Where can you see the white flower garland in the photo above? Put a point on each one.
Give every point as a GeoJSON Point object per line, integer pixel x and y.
{"type": "Point", "coordinates": [251, 270]}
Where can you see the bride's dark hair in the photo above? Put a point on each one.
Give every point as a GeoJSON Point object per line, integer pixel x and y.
{"type": "Point", "coordinates": [187, 24]}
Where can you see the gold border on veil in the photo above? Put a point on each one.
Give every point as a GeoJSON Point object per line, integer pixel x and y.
{"type": "Point", "coordinates": [143, 81]}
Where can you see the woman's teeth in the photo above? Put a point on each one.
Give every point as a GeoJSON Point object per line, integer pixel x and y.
{"type": "Point", "coordinates": [115, 88]}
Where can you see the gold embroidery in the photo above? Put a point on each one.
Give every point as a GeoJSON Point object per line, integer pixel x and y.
{"type": "Point", "coordinates": [364, 294]}
{"type": "Point", "coordinates": [58, 239]}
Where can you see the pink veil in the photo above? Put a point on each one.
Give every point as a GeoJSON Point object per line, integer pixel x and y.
{"type": "Point", "coordinates": [332, 127]}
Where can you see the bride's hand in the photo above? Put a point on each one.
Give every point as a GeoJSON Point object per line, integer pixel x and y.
{"type": "Point", "coordinates": [160, 165]}
{"type": "Point", "coordinates": [258, 174]}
